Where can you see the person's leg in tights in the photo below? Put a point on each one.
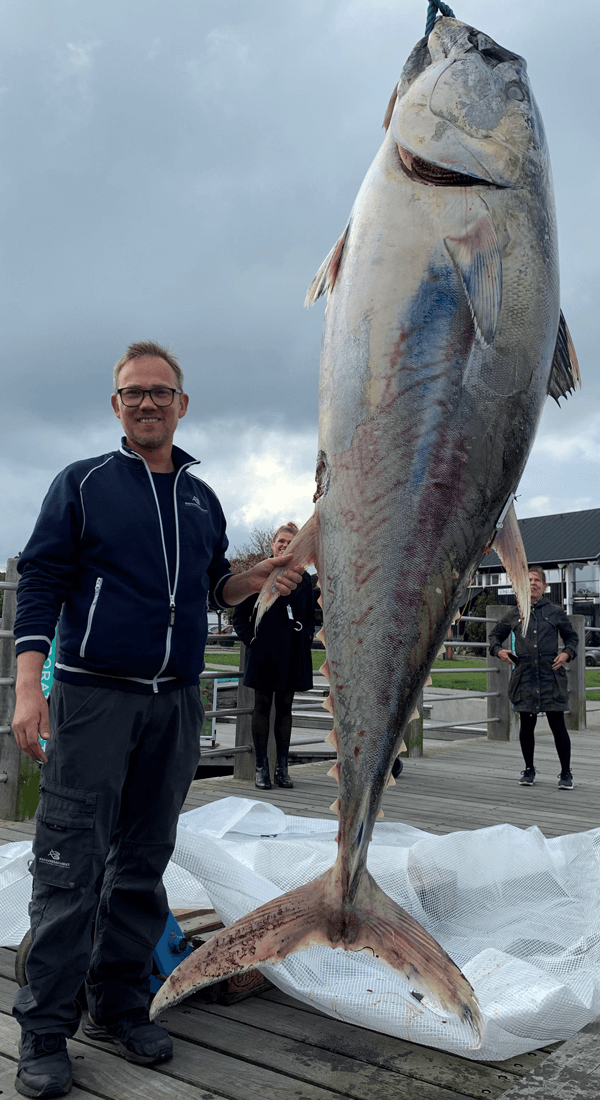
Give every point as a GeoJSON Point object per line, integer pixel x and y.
{"type": "Point", "coordinates": [260, 737]}
{"type": "Point", "coordinates": [527, 740]}
{"type": "Point", "coordinates": [562, 741]}
{"type": "Point", "coordinates": [283, 733]}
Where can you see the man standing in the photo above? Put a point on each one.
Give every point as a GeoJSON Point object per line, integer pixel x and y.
{"type": "Point", "coordinates": [127, 549]}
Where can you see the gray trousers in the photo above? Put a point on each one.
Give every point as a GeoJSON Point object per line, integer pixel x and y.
{"type": "Point", "coordinates": [119, 768]}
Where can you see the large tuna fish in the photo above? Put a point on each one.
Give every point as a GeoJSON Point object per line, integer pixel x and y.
{"type": "Point", "coordinates": [443, 336]}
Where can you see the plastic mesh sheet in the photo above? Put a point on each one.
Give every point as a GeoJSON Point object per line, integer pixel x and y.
{"type": "Point", "coordinates": [518, 913]}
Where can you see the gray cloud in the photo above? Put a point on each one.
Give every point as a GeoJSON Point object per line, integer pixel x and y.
{"type": "Point", "coordinates": [179, 172]}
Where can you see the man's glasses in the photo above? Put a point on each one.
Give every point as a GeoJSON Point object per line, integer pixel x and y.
{"type": "Point", "coordinates": [160, 395]}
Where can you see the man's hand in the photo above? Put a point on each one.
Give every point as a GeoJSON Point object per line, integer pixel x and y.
{"type": "Point", "coordinates": [560, 660]}
{"type": "Point", "coordinates": [30, 720]}
{"type": "Point", "coordinates": [245, 584]}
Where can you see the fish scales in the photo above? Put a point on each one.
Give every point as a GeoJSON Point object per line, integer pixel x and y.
{"type": "Point", "coordinates": [442, 338]}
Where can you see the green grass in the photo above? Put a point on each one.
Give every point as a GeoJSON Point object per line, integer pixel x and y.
{"type": "Point", "coordinates": [215, 656]}
{"type": "Point", "coordinates": [474, 681]}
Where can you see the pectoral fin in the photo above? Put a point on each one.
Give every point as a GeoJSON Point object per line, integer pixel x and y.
{"type": "Point", "coordinates": [476, 257]}
{"type": "Point", "coordinates": [325, 278]}
{"type": "Point", "coordinates": [564, 375]}
{"type": "Point", "coordinates": [508, 545]}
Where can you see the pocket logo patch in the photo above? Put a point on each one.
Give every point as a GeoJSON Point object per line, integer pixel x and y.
{"type": "Point", "coordinates": [55, 860]}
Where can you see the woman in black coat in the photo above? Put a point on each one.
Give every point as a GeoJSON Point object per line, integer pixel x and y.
{"type": "Point", "coordinates": [539, 681]}
{"type": "Point", "coordinates": [278, 663]}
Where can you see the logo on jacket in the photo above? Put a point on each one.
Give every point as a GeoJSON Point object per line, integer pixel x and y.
{"type": "Point", "coordinates": [195, 503]}
{"type": "Point", "coordinates": [54, 854]}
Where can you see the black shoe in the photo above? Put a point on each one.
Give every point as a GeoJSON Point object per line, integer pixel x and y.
{"type": "Point", "coordinates": [136, 1039]}
{"type": "Point", "coordinates": [44, 1066]}
{"type": "Point", "coordinates": [262, 779]}
{"type": "Point", "coordinates": [281, 776]}
{"type": "Point", "coordinates": [527, 777]}
{"type": "Point", "coordinates": [397, 767]}
{"type": "Point", "coordinates": [565, 781]}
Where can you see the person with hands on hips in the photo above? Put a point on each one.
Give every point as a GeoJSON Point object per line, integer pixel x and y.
{"type": "Point", "coordinates": [278, 663]}
{"type": "Point", "coordinates": [538, 683]}
{"type": "Point", "coordinates": [127, 549]}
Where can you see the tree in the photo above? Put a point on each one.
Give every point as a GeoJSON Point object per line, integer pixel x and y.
{"type": "Point", "coordinates": [256, 549]}
{"type": "Point", "coordinates": [475, 632]}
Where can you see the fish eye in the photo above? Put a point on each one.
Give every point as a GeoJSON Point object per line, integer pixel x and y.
{"type": "Point", "coordinates": [514, 90]}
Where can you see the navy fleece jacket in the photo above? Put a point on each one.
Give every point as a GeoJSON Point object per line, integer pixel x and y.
{"type": "Point", "coordinates": [97, 552]}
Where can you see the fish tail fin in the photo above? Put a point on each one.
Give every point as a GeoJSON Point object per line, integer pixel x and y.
{"type": "Point", "coordinates": [304, 549]}
{"type": "Point", "coordinates": [287, 924]}
{"type": "Point", "coordinates": [399, 942]}
{"type": "Point", "coordinates": [316, 915]}
{"type": "Point", "coordinates": [508, 544]}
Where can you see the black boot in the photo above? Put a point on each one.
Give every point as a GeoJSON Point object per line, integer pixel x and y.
{"type": "Point", "coordinates": [262, 779]}
{"type": "Point", "coordinates": [281, 774]}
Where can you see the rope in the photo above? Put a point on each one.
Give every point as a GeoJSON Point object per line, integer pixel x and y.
{"type": "Point", "coordinates": [432, 11]}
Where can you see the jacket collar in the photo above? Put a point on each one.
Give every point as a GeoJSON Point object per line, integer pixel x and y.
{"type": "Point", "coordinates": [542, 600]}
{"type": "Point", "coordinates": [180, 458]}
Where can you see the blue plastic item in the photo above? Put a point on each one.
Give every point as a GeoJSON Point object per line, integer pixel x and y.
{"type": "Point", "coordinates": [171, 948]}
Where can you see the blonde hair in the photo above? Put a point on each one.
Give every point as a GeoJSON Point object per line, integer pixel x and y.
{"type": "Point", "coordinates": [148, 347]}
{"type": "Point", "coordinates": [290, 529]}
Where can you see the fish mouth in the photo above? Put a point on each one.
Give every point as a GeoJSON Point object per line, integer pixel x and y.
{"type": "Point", "coordinates": [434, 175]}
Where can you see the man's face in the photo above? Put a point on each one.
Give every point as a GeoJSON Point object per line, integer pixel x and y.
{"type": "Point", "coordinates": [148, 426]}
{"type": "Point", "coordinates": [536, 587]}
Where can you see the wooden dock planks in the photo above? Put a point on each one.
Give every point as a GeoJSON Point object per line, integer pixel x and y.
{"type": "Point", "coordinates": [271, 1047]}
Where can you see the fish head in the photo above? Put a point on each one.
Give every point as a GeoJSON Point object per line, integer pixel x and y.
{"type": "Point", "coordinates": [464, 106]}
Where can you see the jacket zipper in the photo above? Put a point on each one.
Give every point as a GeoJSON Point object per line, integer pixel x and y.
{"type": "Point", "coordinates": [91, 613]}
{"type": "Point", "coordinates": [170, 590]}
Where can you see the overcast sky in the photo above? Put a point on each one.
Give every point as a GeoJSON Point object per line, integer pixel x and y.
{"type": "Point", "coordinates": [178, 172]}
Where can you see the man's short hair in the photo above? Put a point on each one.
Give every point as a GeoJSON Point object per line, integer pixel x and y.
{"type": "Point", "coordinates": [147, 347]}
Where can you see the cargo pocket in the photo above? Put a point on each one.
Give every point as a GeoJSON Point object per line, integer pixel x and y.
{"type": "Point", "coordinates": [64, 836]}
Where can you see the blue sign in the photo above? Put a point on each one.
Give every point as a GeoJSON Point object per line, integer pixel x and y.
{"type": "Point", "coordinates": [48, 669]}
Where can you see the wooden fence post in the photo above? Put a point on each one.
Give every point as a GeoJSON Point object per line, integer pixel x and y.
{"type": "Point", "coordinates": [575, 719]}
{"type": "Point", "coordinates": [499, 706]}
{"type": "Point", "coordinates": [243, 762]}
{"type": "Point", "coordinates": [413, 736]}
{"type": "Point", "coordinates": [19, 791]}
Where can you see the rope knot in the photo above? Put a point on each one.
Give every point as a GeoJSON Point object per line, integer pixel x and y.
{"type": "Point", "coordinates": [436, 6]}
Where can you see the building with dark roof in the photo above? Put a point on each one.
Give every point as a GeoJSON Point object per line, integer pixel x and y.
{"type": "Point", "coordinates": [567, 546]}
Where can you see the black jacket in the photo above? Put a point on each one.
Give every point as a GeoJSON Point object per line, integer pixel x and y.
{"type": "Point", "coordinates": [279, 657]}
{"type": "Point", "coordinates": [534, 686]}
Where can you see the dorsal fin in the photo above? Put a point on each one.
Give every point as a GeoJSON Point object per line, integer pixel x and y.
{"type": "Point", "coordinates": [564, 375]}
{"type": "Point", "coordinates": [328, 271]}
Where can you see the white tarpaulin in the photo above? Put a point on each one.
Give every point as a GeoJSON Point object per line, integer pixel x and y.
{"type": "Point", "coordinates": [518, 913]}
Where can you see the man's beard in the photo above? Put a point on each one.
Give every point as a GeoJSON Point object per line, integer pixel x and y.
{"type": "Point", "coordinates": [150, 444]}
